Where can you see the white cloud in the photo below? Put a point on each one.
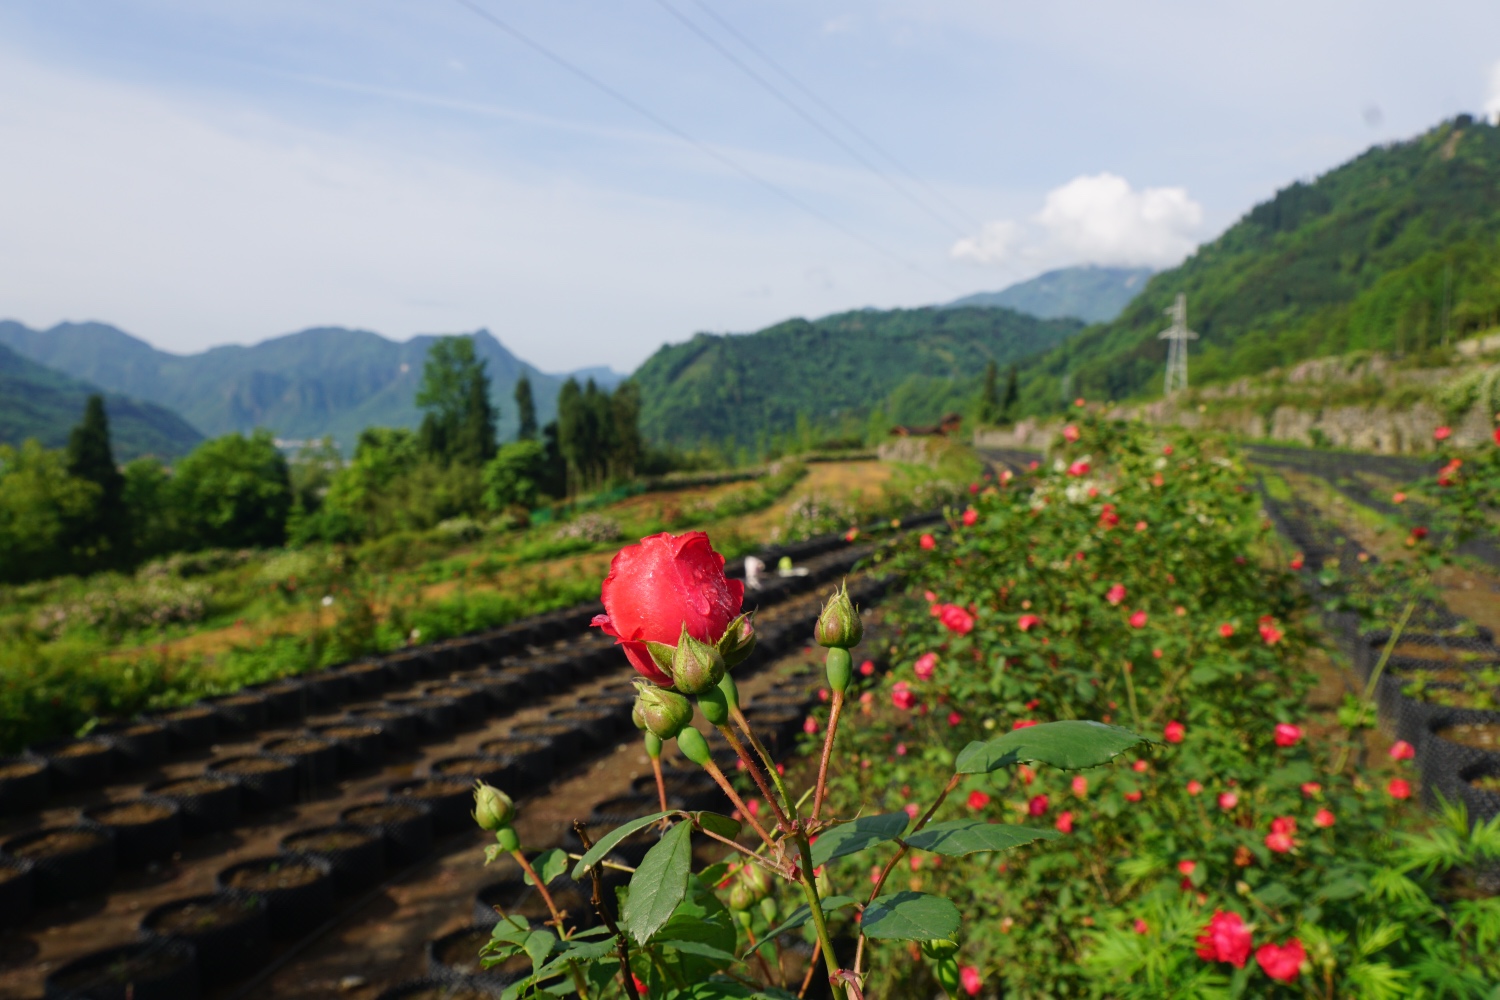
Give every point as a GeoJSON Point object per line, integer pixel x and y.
{"type": "Point", "coordinates": [1093, 220]}
{"type": "Point", "coordinates": [1492, 99]}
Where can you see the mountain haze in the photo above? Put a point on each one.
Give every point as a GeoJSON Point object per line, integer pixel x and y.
{"type": "Point", "coordinates": [327, 380]}
{"type": "Point", "coordinates": [1398, 249]}
{"type": "Point", "coordinates": [37, 402]}
{"type": "Point", "coordinates": [742, 388]}
{"type": "Point", "coordinates": [1091, 293]}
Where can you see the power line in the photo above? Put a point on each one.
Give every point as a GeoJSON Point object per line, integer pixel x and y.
{"type": "Point", "coordinates": [831, 111]}
{"type": "Point", "coordinates": [704, 147]}
{"type": "Point", "coordinates": [802, 113]}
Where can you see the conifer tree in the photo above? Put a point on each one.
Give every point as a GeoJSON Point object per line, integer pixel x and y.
{"type": "Point", "coordinates": [1012, 396]}
{"type": "Point", "coordinates": [459, 425]}
{"type": "Point", "coordinates": [101, 536]}
{"type": "Point", "coordinates": [989, 396]}
{"type": "Point", "coordinates": [526, 410]}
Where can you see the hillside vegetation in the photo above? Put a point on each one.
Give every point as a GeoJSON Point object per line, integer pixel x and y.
{"type": "Point", "coordinates": [1089, 292]}
{"type": "Point", "coordinates": [37, 402]}
{"type": "Point", "coordinates": [1395, 250]}
{"type": "Point", "coordinates": [839, 373]}
{"type": "Point", "coordinates": [324, 381]}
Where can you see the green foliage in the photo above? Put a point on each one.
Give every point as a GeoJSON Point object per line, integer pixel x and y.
{"type": "Point", "coordinates": [102, 537]}
{"type": "Point", "coordinates": [1396, 250]}
{"type": "Point", "coordinates": [598, 436]}
{"type": "Point", "coordinates": [38, 402]}
{"type": "Point", "coordinates": [511, 477]}
{"type": "Point", "coordinates": [832, 372]}
{"type": "Point", "coordinates": [39, 506]}
{"type": "Point", "coordinates": [234, 492]}
{"type": "Point", "coordinates": [459, 422]}
{"type": "Point", "coordinates": [525, 410]}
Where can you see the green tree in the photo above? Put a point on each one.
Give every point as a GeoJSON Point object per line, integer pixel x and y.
{"type": "Point", "coordinates": [526, 410]}
{"type": "Point", "coordinates": [598, 433]}
{"type": "Point", "coordinates": [39, 505]}
{"type": "Point", "coordinates": [234, 492]}
{"type": "Point", "coordinates": [989, 395]}
{"type": "Point", "coordinates": [1012, 395]}
{"type": "Point", "coordinates": [513, 477]}
{"type": "Point", "coordinates": [101, 537]}
{"type": "Point", "coordinates": [150, 509]}
{"type": "Point", "coordinates": [459, 421]}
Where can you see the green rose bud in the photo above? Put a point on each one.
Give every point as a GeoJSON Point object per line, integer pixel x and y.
{"type": "Point", "coordinates": [507, 839]}
{"type": "Point", "coordinates": [768, 909]}
{"type": "Point", "coordinates": [653, 745]}
{"type": "Point", "coordinates": [840, 667]}
{"type": "Point", "coordinates": [839, 625]}
{"type": "Point", "coordinates": [493, 809]}
{"type": "Point", "coordinates": [738, 641]}
{"type": "Point", "coordinates": [714, 706]}
{"type": "Point", "coordinates": [694, 747]}
{"type": "Point", "coordinates": [751, 884]}
{"type": "Point", "coordinates": [696, 666]}
{"type": "Point", "coordinates": [664, 712]}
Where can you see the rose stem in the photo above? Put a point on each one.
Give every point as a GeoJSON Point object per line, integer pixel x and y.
{"type": "Point", "coordinates": [759, 954]}
{"type": "Point", "coordinates": [661, 785]}
{"type": "Point", "coordinates": [739, 803]}
{"type": "Point", "coordinates": [859, 953]}
{"type": "Point", "coordinates": [753, 856]}
{"type": "Point", "coordinates": [833, 727]}
{"type": "Point", "coordinates": [557, 920]}
{"type": "Point", "coordinates": [622, 943]}
{"type": "Point", "coordinates": [765, 757]}
{"type": "Point", "coordinates": [754, 769]}
{"type": "Point", "coordinates": [815, 910]}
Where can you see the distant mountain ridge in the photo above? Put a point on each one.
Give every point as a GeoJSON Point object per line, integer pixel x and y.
{"type": "Point", "coordinates": [326, 380]}
{"type": "Point", "coordinates": [1088, 292]}
{"type": "Point", "coordinates": [912, 363]}
{"type": "Point", "coordinates": [1397, 249]}
{"type": "Point", "coordinates": [38, 402]}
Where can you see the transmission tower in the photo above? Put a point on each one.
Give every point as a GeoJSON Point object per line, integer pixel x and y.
{"type": "Point", "coordinates": [1177, 336]}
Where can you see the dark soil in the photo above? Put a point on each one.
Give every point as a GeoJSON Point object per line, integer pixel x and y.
{"type": "Point", "coordinates": [7, 873]}
{"type": "Point", "coordinates": [250, 765]}
{"type": "Point", "coordinates": [191, 786]}
{"type": "Point", "coordinates": [132, 813]}
{"type": "Point", "coordinates": [329, 840]}
{"type": "Point", "coordinates": [20, 768]}
{"type": "Point", "coordinates": [189, 713]}
{"type": "Point", "coordinates": [153, 964]}
{"type": "Point", "coordinates": [301, 744]}
{"type": "Point", "coordinates": [59, 842]}
{"type": "Point", "coordinates": [462, 952]}
{"type": "Point", "coordinates": [1483, 735]}
{"type": "Point", "coordinates": [274, 875]}
{"type": "Point", "coordinates": [200, 915]}
{"type": "Point", "coordinates": [429, 790]}
{"type": "Point", "coordinates": [81, 749]}
{"type": "Point", "coordinates": [384, 812]}
{"type": "Point", "coordinates": [241, 699]}
{"type": "Point", "coordinates": [465, 768]}
{"type": "Point", "coordinates": [343, 732]}
{"type": "Point", "coordinates": [451, 993]}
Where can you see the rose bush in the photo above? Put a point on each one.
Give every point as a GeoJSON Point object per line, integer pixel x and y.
{"type": "Point", "coordinates": [1288, 841]}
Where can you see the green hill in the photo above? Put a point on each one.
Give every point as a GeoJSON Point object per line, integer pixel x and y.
{"type": "Point", "coordinates": [1393, 250]}
{"type": "Point", "coordinates": [1091, 293]}
{"type": "Point", "coordinates": [37, 402]}
{"type": "Point", "coordinates": [832, 372]}
{"type": "Point", "coordinates": [328, 380]}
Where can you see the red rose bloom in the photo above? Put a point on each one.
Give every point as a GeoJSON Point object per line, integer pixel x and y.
{"type": "Point", "coordinates": [1037, 806]}
{"type": "Point", "coordinates": [1442, 433]}
{"type": "Point", "coordinates": [1079, 468]}
{"type": "Point", "coordinates": [1064, 822]}
{"type": "Point", "coordinates": [1174, 732]}
{"type": "Point", "coordinates": [924, 666]}
{"type": "Point", "coordinates": [955, 619]}
{"type": "Point", "coordinates": [1288, 735]}
{"type": "Point", "coordinates": [1226, 630]}
{"type": "Point", "coordinates": [1024, 724]}
{"type": "Point", "coordinates": [927, 542]}
{"type": "Point", "coordinates": [1138, 620]}
{"type": "Point", "coordinates": [1399, 788]}
{"type": "Point", "coordinates": [971, 980]}
{"type": "Point", "coordinates": [1402, 750]}
{"type": "Point", "coordinates": [903, 697]}
{"type": "Point", "coordinates": [978, 800]}
{"type": "Point", "coordinates": [1070, 433]}
{"type": "Point", "coordinates": [1225, 939]}
{"type": "Point", "coordinates": [1115, 594]}
{"type": "Point", "coordinates": [1027, 622]}
{"type": "Point", "coordinates": [655, 588]}
{"type": "Point", "coordinates": [1323, 819]}
{"type": "Point", "coordinates": [1282, 963]}
{"type": "Point", "coordinates": [971, 517]}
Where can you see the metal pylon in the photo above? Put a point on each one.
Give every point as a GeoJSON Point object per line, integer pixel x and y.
{"type": "Point", "coordinates": [1177, 335]}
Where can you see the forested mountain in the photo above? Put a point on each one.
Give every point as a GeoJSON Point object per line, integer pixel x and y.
{"type": "Point", "coordinates": [328, 380]}
{"type": "Point", "coordinates": [1091, 293]}
{"type": "Point", "coordinates": [912, 364]}
{"type": "Point", "coordinates": [1395, 250]}
{"type": "Point", "coordinates": [37, 402]}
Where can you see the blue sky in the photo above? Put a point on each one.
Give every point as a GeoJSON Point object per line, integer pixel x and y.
{"type": "Point", "coordinates": [202, 174]}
